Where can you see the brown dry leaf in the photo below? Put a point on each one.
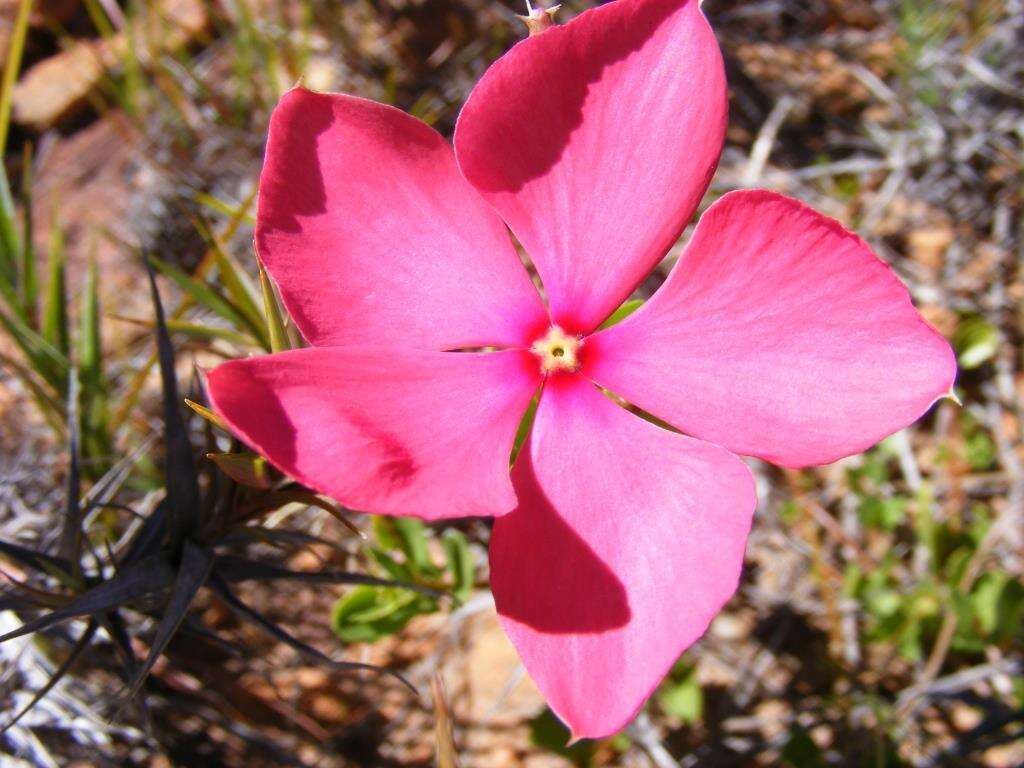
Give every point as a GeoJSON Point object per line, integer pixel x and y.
{"type": "Point", "coordinates": [927, 245]}
{"type": "Point", "coordinates": [942, 318]}
{"type": "Point", "coordinates": [818, 72]}
{"type": "Point", "coordinates": [57, 87]}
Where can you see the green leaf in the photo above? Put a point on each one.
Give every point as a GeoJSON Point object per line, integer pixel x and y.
{"type": "Point", "coordinates": [886, 514]}
{"type": "Point", "coordinates": [681, 696]}
{"type": "Point", "coordinates": [460, 565]}
{"type": "Point", "coordinates": [367, 614]}
{"type": "Point", "coordinates": [411, 531]}
{"type": "Point", "coordinates": [985, 600]}
{"type": "Point", "coordinates": [997, 604]}
{"type": "Point", "coordinates": [801, 751]}
{"type": "Point", "coordinates": [620, 314]}
{"type": "Point", "coordinates": [980, 451]}
{"type": "Point", "coordinates": [407, 535]}
{"type": "Point", "coordinates": [789, 511]}
{"type": "Point", "coordinates": [400, 571]}
{"type": "Point", "coordinates": [548, 732]}
{"type": "Point", "coordinates": [523, 431]}
{"type": "Point", "coordinates": [884, 602]}
{"type": "Point", "coordinates": [976, 341]}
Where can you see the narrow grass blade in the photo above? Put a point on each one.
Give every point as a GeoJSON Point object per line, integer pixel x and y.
{"type": "Point", "coordinates": [76, 653]}
{"type": "Point", "coordinates": [234, 569]}
{"type": "Point", "coordinates": [268, 502]}
{"type": "Point", "coordinates": [95, 438]}
{"type": "Point", "coordinates": [114, 624]}
{"type": "Point", "coordinates": [51, 408]}
{"type": "Point", "coordinates": [130, 395]}
{"type": "Point", "coordinates": [460, 564]}
{"type": "Point", "coordinates": [252, 615]}
{"type": "Point", "coordinates": [239, 287]}
{"type": "Point", "coordinates": [193, 571]}
{"type": "Point", "coordinates": [90, 351]}
{"type": "Point", "coordinates": [15, 50]}
{"type": "Point", "coordinates": [39, 597]}
{"type": "Point", "coordinates": [274, 315]}
{"type": "Point", "coordinates": [10, 248]}
{"type": "Point", "coordinates": [46, 360]}
{"type": "Point", "coordinates": [131, 583]}
{"type": "Point", "coordinates": [28, 283]}
{"type": "Point", "coordinates": [447, 756]}
{"type": "Point", "coordinates": [224, 208]}
{"type": "Point", "coordinates": [150, 536]}
{"type": "Point", "coordinates": [32, 559]}
{"type": "Point", "coordinates": [14, 603]}
{"type": "Point", "coordinates": [207, 414]}
{"type": "Point", "coordinates": [194, 330]}
{"type": "Point", "coordinates": [71, 532]}
{"type": "Point", "coordinates": [207, 297]}
{"type": "Point", "coordinates": [182, 487]}
{"type": "Point", "coordinates": [55, 307]}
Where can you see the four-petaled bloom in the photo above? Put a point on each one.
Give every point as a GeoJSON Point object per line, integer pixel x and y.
{"type": "Point", "coordinates": [777, 335]}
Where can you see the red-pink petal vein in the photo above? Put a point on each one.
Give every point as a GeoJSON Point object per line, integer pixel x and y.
{"type": "Point", "coordinates": [595, 141]}
{"type": "Point", "coordinates": [627, 540]}
{"type": "Point", "coordinates": [779, 334]}
{"type": "Point", "coordinates": [373, 235]}
{"type": "Point", "coordinates": [399, 432]}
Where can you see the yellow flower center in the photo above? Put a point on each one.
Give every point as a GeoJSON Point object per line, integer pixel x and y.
{"type": "Point", "coordinates": [557, 351]}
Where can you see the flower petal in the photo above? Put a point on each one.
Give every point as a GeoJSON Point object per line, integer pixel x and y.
{"type": "Point", "coordinates": [779, 334]}
{"type": "Point", "coordinates": [374, 237]}
{"type": "Point", "coordinates": [398, 432]}
{"type": "Point", "coordinates": [595, 141]}
{"type": "Point", "coordinates": [627, 540]}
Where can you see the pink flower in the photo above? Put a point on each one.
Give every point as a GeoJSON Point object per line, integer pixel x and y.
{"type": "Point", "coordinates": [778, 335]}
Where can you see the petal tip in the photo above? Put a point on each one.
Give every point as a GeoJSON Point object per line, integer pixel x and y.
{"type": "Point", "coordinates": [951, 395]}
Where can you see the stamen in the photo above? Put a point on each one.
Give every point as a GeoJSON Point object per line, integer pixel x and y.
{"type": "Point", "coordinates": [557, 351]}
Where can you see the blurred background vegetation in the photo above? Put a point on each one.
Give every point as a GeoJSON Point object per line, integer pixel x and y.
{"type": "Point", "coordinates": [879, 622]}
